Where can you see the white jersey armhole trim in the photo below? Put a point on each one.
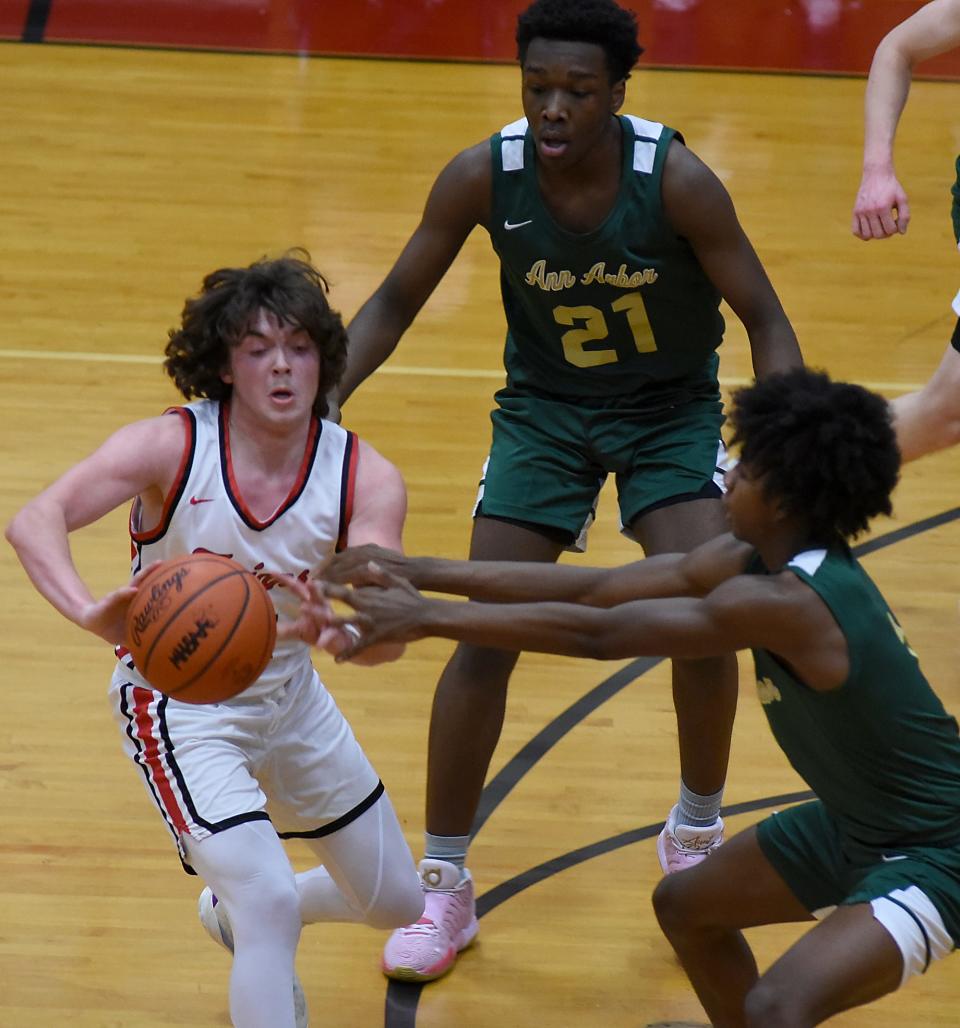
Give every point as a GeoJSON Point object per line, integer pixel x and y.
{"type": "Point", "coordinates": [511, 147]}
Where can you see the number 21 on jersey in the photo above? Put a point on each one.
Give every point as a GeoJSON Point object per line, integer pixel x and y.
{"type": "Point", "coordinates": [588, 325]}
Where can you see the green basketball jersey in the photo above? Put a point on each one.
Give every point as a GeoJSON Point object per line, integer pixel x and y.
{"type": "Point", "coordinates": [621, 310]}
{"type": "Point", "coordinates": [880, 751]}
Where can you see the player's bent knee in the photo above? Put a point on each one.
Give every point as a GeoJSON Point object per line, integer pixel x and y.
{"type": "Point", "coordinates": [396, 915]}
{"type": "Point", "coordinates": [484, 660]}
{"type": "Point", "coordinates": [266, 905]}
{"type": "Point", "coordinates": [767, 1006]}
{"type": "Point", "coordinates": [672, 904]}
{"type": "Point", "coordinates": [400, 906]}
{"type": "Point", "coordinates": [483, 672]}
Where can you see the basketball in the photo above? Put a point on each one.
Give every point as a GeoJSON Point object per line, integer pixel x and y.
{"type": "Point", "coordinates": [201, 628]}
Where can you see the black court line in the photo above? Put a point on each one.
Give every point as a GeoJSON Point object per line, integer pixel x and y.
{"type": "Point", "coordinates": [402, 999]}
{"type": "Point", "coordinates": [907, 532]}
{"type": "Point", "coordinates": [499, 787]}
{"type": "Point", "coordinates": [492, 898]}
{"type": "Point", "coordinates": [35, 23]}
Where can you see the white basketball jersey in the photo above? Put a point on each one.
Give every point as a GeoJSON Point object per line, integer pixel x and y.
{"type": "Point", "coordinates": [205, 511]}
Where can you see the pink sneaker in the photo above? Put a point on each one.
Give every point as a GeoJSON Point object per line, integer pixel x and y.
{"type": "Point", "coordinates": [428, 949]}
{"type": "Point", "coordinates": [681, 846]}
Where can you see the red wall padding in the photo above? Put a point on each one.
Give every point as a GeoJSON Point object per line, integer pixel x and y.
{"type": "Point", "coordinates": [798, 35]}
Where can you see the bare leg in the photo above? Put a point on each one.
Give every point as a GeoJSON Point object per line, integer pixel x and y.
{"type": "Point", "coordinates": [704, 691]}
{"type": "Point", "coordinates": [469, 703]}
{"type": "Point", "coordinates": [845, 961]}
{"type": "Point", "coordinates": [701, 912]}
{"type": "Point", "coordinates": [929, 419]}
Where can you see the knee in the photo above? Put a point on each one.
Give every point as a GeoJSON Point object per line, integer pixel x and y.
{"type": "Point", "coordinates": [672, 906]}
{"type": "Point", "coordinates": [266, 902]}
{"type": "Point", "coordinates": [767, 1006]}
{"type": "Point", "coordinates": [401, 903]}
{"type": "Point", "coordinates": [485, 669]}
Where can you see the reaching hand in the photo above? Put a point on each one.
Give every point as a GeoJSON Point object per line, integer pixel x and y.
{"type": "Point", "coordinates": [315, 623]}
{"type": "Point", "coordinates": [388, 610]}
{"type": "Point", "coordinates": [353, 565]}
{"type": "Point", "coordinates": [314, 615]}
{"type": "Point", "coordinates": [881, 209]}
{"type": "Point", "coordinates": [107, 617]}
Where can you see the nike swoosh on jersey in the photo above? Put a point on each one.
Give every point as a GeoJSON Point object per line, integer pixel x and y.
{"type": "Point", "coordinates": [511, 225]}
{"type": "Point", "coordinates": [889, 860]}
{"type": "Point", "coordinates": [194, 500]}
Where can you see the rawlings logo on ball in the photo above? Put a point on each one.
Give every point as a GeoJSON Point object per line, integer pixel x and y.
{"type": "Point", "coordinates": [157, 602]}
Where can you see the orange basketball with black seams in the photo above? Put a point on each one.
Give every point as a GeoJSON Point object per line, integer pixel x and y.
{"type": "Point", "coordinates": [201, 628]}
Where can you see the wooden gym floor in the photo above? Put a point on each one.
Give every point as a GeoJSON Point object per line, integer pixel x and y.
{"type": "Point", "coordinates": [130, 174]}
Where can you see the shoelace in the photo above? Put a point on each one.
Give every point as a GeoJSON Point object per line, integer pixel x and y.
{"type": "Point", "coordinates": [422, 927]}
{"type": "Point", "coordinates": [696, 845]}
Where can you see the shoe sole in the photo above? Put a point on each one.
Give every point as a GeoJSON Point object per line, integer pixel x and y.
{"type": "Point", "coordinates": [439, 969]}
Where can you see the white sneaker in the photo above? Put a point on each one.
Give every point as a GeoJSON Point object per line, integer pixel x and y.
{"type": "Point", "coordinates": [214, 919]}
{"type": "Point", "coordinates": [683, 846]}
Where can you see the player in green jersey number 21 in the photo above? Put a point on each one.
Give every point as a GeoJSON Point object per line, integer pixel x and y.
{"type": "Point", "coordinates": [616, 245]}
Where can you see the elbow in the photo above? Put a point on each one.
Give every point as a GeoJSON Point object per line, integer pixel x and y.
{"type": "Point", "coordinates": [16, 529]}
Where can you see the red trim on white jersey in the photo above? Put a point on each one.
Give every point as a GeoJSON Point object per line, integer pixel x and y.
{"type": "Point", "coordinates": [236, 497]}
{"type": "Point", "coordinates": [347, 488]}
{"type": "Point", "coordinates": [176, 487]}
{"type": "Point", "coordinates": [296, 540]}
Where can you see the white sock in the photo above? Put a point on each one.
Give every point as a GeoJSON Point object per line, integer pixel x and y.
{"type": "Point", "coordinates": [451, 848]}
{"type": "Point", "coordinates": [698, 811]}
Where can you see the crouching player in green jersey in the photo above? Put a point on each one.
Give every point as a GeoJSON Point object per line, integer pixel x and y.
{"type": "Point", "coordinates": [875, 858]}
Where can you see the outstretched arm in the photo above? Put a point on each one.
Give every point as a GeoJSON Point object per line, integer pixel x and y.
{"type": "Point", "coordinates": [458, 201]}
{"type": "Point", "coordinates": [700, 210]}
{"type": "Point", "coordinates": [775, 613]}
{"type": "Point", "coordinates": [881, 208]}
{"type": "Point", "coordinates": [692, 574]}
{"type": "Point", "coordinates": [135, 460]}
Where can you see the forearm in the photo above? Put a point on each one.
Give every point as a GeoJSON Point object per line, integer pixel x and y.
{"type": "Point", "coordinates": [38, 534]}
{"type": "Point", "coordinates": [566, 629]}
{"type": "Point", "coordinates": [529, 582]}
{"type": "Point", "coordinates": [774, 348]}
{"type": "Point", "coordinates": [887, 89]}
{"type": "Point", "coordinates": [373, 333]}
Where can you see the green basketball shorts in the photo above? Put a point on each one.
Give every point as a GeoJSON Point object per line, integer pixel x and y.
{"type": "Point", "coordinates": [808, 850]}
{"type": "Point", "coordinates": [549, 459]}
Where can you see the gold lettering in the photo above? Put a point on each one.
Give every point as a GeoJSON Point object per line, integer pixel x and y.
{"type": "Point", "coordinates": [595, 274]}
{"type": "Point", "coordinates": [767, 691]}
{"type": "Point", "coordinates": [549, 281]}
{"type": "Point", "coordinates": [554, 281]}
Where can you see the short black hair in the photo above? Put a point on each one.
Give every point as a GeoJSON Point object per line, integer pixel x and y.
{"type": "Point", "coordinates": [289, 287]}
{"type": "Point", "coordinates": [603, 22]}
{"type": "Point", "coordinates": [826, 451]}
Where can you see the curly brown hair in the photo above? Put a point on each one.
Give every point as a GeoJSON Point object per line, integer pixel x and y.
{"type": "Point", "coordinates": [290, 287]}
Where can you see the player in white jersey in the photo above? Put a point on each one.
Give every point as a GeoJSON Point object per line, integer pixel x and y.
{"type": "Point", "coordinates": [252, 470]}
